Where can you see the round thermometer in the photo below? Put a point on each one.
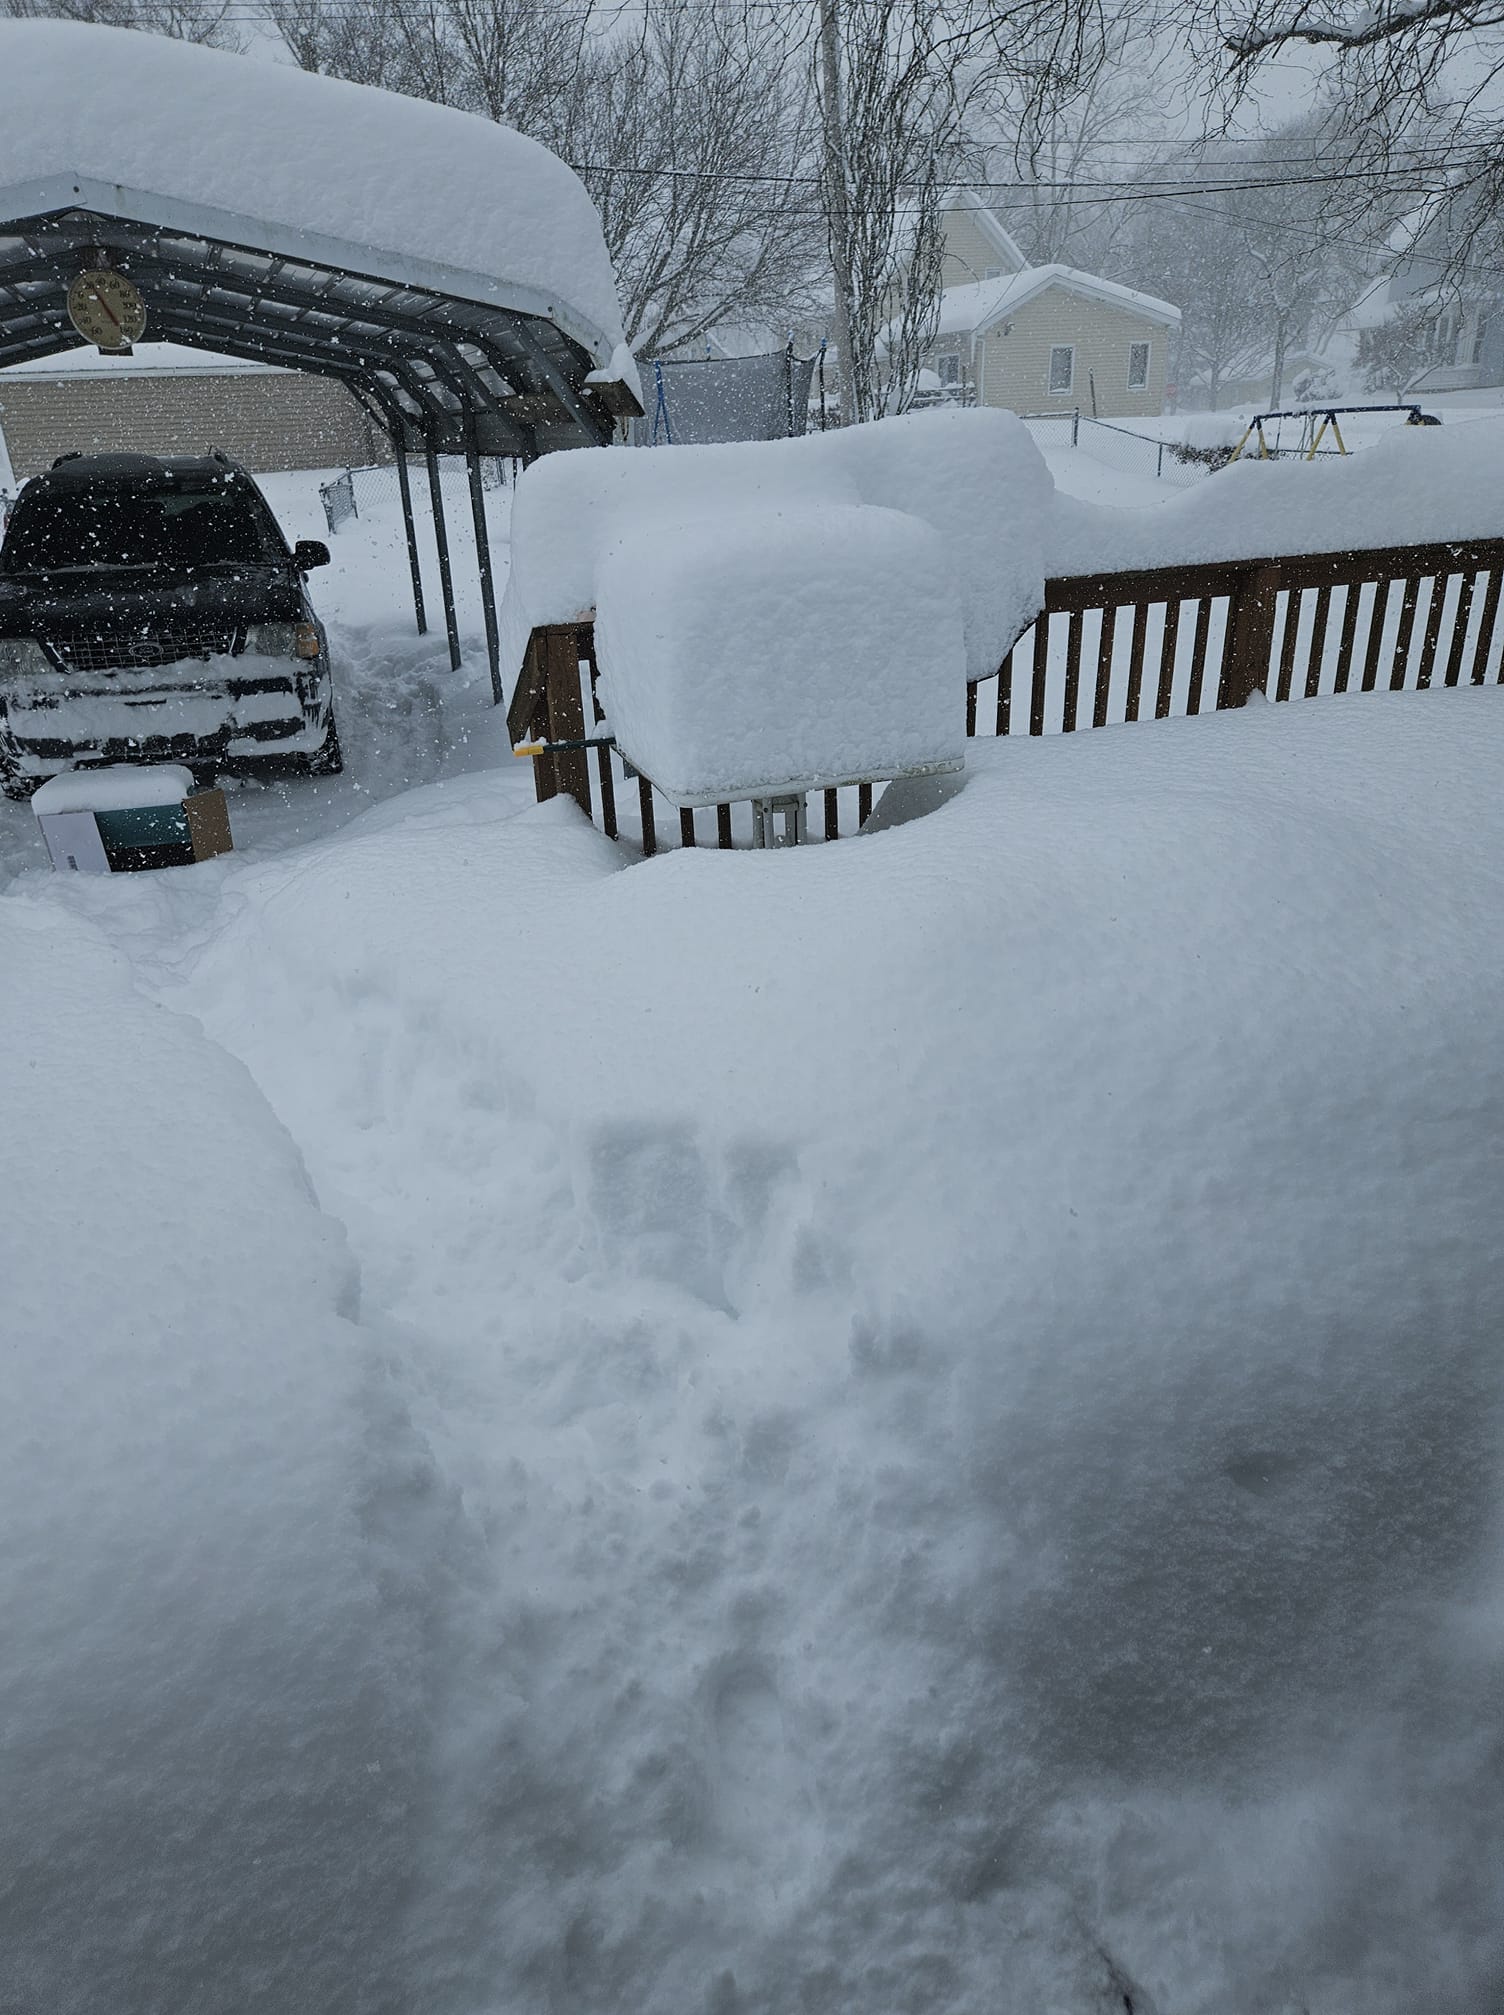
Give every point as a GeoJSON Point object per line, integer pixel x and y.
{"type": "Point", "coordinates": [106, 309]}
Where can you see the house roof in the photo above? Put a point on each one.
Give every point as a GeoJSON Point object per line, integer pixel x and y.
{"type": "Point", "coordinates": [977, 305]}
{"type": "Point", "coordinates": [1002, 240]}
{"type": "Point", "coordinates": [1374, 305]}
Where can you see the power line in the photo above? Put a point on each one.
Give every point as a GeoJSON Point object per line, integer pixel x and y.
{"type": "Point", "coordinates": [1112, 190]}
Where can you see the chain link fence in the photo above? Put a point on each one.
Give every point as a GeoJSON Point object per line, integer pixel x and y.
{"type": "Point", "coordinates": [1114, 446]}
{"type": "Point", "coordinates": [375, 487]}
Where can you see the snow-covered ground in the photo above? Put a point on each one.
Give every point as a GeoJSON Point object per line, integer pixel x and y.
{"type": "Point", "coordinates": [1359, 430]}
{"type": "Point", "coordinates": [912, 1425]}
{"type": "Point", "coordinates": [1116, 463]}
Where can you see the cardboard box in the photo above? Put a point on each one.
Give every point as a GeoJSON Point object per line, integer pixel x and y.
{"type": "Point", "coordinates": [114, 836]}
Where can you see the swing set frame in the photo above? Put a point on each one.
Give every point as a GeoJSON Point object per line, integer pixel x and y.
{"type": "Point", "coordinates": [1313, 435]}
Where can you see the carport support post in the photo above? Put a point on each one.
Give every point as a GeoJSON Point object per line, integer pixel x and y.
{"type": "Point", "coordinates": [411, 529]}
{"type": "Point", "coordinates": [441, 539]}
{"type": "Point", "coordinates": [483, 561]}
{"type": "Point", "coordinates": [442, 543]}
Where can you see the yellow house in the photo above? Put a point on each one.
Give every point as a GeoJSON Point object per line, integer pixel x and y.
{"type": "Point", "coordinates": [1039, 339]}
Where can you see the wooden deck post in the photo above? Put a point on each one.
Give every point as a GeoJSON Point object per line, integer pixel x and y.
{"type": "Point", "coordinates": [1250, 634]}
{"type": "Point", "coordinates": [564, 710]}
{"type": "Point", "coordinates": [548, 707]}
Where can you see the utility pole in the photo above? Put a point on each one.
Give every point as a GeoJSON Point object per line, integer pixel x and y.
{"type": "Point", "coordinates": [837, 204]}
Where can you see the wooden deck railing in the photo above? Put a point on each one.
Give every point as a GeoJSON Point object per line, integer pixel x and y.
{"type": "Point", "coordinates": [1186, 639]}
{"type": "Point", "coordinates": [1113, 647]}
{"type": "Point", "coordinates": [557, 685]}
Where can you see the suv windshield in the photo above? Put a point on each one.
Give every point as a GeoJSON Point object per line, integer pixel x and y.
{"type": "Point", "coordinates": [158, 526]}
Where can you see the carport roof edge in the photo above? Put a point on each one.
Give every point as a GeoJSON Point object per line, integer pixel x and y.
{"type": "Point", "coordinates": [60, 194]}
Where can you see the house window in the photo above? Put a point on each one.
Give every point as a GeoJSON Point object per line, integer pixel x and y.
{"type": "Point", "coordinates": [948, 370]}
{"type": "Point", "coordinates": [992, 272]}
{"type": "Point", "coordinates": [1138, 366]}
{"type": "Point", "coordinates": [1062, 367]}
{"type": "Point", "coordinates": [1478, 335]}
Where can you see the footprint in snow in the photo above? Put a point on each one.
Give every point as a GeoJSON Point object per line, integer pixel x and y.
{"type": "Point", "coordinates": [761, 1797]}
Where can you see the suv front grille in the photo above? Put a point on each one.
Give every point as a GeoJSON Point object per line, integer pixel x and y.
{"type": "Point", "coordinates": [143, 650]}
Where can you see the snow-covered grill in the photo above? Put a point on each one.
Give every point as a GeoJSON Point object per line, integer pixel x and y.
{"type": "Point", "coordinates": [143, 651]}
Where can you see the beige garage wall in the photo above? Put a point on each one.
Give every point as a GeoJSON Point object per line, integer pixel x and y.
{"type": "Point", "coordinates": [264, 419]}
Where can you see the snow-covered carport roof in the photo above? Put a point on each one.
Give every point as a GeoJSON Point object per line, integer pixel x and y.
{"type": "Point", "coordinates": [450, 271]}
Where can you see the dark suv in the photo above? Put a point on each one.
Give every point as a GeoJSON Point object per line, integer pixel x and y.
{"type": "Point", "coordinates": [150, 609]}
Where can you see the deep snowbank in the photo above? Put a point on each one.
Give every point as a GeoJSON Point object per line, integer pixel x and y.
{"type": "Point", "coordinates": [975, 478]}
{"type": "Point", "coordinates": [684, 554]}
{"type": "Point", "coordinates": [974, 1353]}
{"type": "Point", "coordinates": [800, 647]}
{"type": "Point", "coordinates": [210, 1665]}
{"type": "Point", "coordinates": [1413, 486]}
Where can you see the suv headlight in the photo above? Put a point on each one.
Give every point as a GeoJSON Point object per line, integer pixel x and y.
{"type": "Point", "coordinates": [22, 658]}
{"type": "Point", "coordinates": [283, 640]}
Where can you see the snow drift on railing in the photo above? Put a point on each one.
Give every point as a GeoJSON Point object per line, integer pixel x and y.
{"type": "Point", "coordinates": [974, 477]}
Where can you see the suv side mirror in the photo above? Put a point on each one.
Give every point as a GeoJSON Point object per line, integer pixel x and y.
{"type": "Point", "coordinates": [308, 553]}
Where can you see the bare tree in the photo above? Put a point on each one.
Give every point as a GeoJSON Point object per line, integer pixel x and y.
{"type": "Point", "coordinates": [893, 102]}
{"type": "Point", "coordinates": [1226, 231]}
{"type": "Point", "coordinates": [1186, 251]}
{"type": "Point", "coordinates": [184, 20]}
{"type": "Point", "coordinates": [1405, 41]}
{"type": "Point", "coordinates": [509, 60]}
{"type": "Point", "coordinates": [907, 90]}
{"type": "Point", "coordinates": [359, 41]}
{"type": "Point", "coordinates": [1418, 87]}
{"type": "Point", "coordinates": [1304, 271]}
{"type": "Point", "coordinates": [692, 138]}
{"type": "Point", "coordinates": [1393, 354]}
{"type": "Point", "coordinates": [1054, 166]}
{"type": "Point", "coordinates": [688, 126]}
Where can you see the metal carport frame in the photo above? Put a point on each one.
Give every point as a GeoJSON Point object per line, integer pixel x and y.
{"type": "Point", "coordinates": [444, 371]}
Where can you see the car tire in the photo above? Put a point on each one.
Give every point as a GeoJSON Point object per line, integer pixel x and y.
{"type": "Point", "coordinates": [327, 760]}
{"type": "Point", "coordinates": [16, 785]}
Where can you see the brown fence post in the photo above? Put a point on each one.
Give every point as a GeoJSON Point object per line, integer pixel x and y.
{"type": "Point", "coordinates": [526, 716]}
{"type": "Point", "coordinates": [565, 710]}
{"type": "Point", "coordinates": [1250, 634]}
